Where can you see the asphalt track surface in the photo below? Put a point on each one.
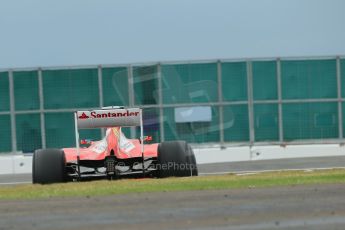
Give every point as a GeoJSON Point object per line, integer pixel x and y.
{"type": "Point", "coordinates": [288, 207]}
{"type": "Point", "coordinates": [300, 207]}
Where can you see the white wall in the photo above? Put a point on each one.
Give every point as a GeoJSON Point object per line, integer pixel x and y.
{"type": "Point", "coordinates": [15, 164]}
{"type": "Point", "coordinates": [215, 155]}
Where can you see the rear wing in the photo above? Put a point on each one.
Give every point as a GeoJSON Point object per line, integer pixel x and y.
{"type": "Point", "coordinates": [104, 118]}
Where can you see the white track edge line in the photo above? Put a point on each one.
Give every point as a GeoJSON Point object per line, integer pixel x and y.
{"type": "Point", "coordinates": [264, 171]}
{"type": "Point", "coordinates": [14, 183]}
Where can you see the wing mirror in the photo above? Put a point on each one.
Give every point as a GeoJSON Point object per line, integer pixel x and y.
{"type": "Point", "coordinates": [146, 138]}
{"type": "Point", "coordinates": [86, 142]}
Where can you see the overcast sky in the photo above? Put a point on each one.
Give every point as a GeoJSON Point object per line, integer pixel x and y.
{"type": "Point", "coordinates": [80, 32]}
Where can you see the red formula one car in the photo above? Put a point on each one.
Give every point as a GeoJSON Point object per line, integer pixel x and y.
{"type": "Point", "coordinates": [115, 155]}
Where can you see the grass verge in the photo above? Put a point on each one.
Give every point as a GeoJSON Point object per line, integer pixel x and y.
{"type": "Point", "coordinates": [104, 187]}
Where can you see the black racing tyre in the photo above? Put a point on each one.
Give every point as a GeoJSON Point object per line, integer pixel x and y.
{"type": "Point", "coordinates": [175, 159]}
{"type": "Point", "coordinates": [48, 166]}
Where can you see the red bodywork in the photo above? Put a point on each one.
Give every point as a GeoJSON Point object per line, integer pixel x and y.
{"type": "Point", "coordinates": [114, 140]}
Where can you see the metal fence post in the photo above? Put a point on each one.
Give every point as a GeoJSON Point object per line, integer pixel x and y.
{"type": "Point", "coordinates": [131, 94]}
{"type": "Point", "coordinates": [220, 100]}
{"type": "Point", "coordinates": [12, 111]}
{"type": "Point", "coordinates": [160, 102]}
{"type": "Point", "coordinates": [340, 105]}
{"type": "Point", "coordinates": [280, 106]}
{"type": "Point", "coordinates": [41, 100]}
{"type": "Point", "coordinates": [100, 92]}
{"type": "Point", "coordinates": [100, 86]}
{"type": "Point", "coordinates": [250, 102]}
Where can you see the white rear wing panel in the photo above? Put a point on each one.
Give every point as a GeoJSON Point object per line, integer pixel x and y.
{"type": "Point", "coordinates": [91, 119]}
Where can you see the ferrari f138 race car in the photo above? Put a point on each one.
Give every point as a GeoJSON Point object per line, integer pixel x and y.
{"type": "Point", "coordinates": [114, 156]}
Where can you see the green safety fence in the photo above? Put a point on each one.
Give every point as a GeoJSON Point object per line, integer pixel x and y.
{"type": "Point", "coordinates": [189, 83]}
{"type": "Point", "coordinates": [4, 92]}
{"type": "Point", "coordinates": [310, 121]}
{"type": "Point", "coordinates": [195, 132]}
{"type": "Point", "coordinates": [60, 131]}
{"type": "Point", "coordinates": [234, 81]}
{"type": "Point", "coordinates": [26, 90]}
{"type": "Point", "coordinates": [5, 133]}
{"type": "Point", "coordinates": [236, 123]}
{"type": "Point", "coordinates": [115, 86]}
{"type": "Point", "coordinates": [306, 79]}
{"type": "Point", "coordinates": [265, 80]}
{"type": "Point", "coordinates": [28, 130]}
{"type": "Point", "coordinates": [145, 85]}
{"type": "Point", "coordinates": [266, 122]}
{"type": "Point", "coordinates": [73, 88]}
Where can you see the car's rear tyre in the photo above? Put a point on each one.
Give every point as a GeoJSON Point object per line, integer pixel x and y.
{"type": "Point", "coordinates": [176, 159]}
{"type": "Point", "coordinates": [48, 166]}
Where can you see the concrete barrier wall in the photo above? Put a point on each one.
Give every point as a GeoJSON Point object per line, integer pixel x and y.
{"type": "Point", "coordinates": [216, 155]}
{"type": "Point", "coordinates": [17, 164]}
